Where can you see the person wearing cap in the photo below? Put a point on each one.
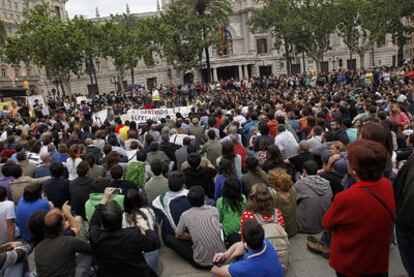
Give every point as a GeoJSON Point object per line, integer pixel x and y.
{"type": "Point", "coordinates": [197, 131]}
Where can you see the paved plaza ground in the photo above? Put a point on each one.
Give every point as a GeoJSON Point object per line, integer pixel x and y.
{"type": "Point", "coordinates": [303, 263]}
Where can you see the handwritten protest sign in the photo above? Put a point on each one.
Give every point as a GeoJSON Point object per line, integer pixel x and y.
{"type": "Point", "coordinates": [156, 114]}
{"type": "Point", "coordinates": [100, 116]}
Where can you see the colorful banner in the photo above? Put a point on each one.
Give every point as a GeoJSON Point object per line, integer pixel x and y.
{"type": "Point", "coordinates": [157, 114]}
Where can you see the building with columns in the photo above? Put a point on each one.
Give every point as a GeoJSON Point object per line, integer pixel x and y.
{"type": "Point", "coordinates": [242, 55]}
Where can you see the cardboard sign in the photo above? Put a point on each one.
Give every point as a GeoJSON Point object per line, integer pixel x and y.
{"type": "Point", "coordinates": [156, 114]}
{"type": "Point", "coordinates": [100, 116]}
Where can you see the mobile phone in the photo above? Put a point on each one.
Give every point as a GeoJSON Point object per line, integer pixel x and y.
{"type": "Point", "coordinates": [118, 191]}
{"type": "Point", "coordinates": [219, 263]}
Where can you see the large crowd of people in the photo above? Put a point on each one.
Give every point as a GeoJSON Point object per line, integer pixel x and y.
{"type": "Point", "coordinates": [226, 186]}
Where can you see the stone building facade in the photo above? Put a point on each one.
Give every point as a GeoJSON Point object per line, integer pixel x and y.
{"type": "Point", "coordinates": [244, 54]}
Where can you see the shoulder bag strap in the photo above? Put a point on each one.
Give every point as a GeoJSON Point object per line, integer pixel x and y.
{"type": "Point", "coordinates": [379, 201]}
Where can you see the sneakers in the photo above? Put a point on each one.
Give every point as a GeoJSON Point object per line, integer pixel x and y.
{"type": "Point", "coordinates": [316, 247]}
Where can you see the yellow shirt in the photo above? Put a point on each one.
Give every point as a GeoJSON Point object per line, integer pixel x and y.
{"type": "Point", "coordinates": [124, 132]}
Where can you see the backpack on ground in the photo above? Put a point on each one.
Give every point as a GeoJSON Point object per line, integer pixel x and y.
{"type": "Point", "coordinates": [278, 237]}
{"type": "Point", "coordinates": [135, 172]}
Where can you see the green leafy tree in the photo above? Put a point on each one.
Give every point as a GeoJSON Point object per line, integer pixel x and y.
{"type": "Point", "coordinates": [45, 40]}
{"type": "Point", "coordinates": [304, 24]}
{"type": "Point", "coordinates": [207, 16]}
{"type": "Point", "coordinates": [87, 34]}
{"type": "Point", "coordinates": [180, 40]}
{"type": "Point", "coordinates": [126, 40]}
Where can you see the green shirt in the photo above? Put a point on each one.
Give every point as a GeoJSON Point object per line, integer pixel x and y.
{"type": "Point", "coordinates": [230, 219]}
{"type": "Point", "coordinates": [95, 199]}
{"type": "Point", "coordinates": [288, 209]}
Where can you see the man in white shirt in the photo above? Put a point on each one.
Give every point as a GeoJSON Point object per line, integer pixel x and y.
{"type": "Point", "coordinates": [7, 217]}
{"type": "Point", "coordinates": [286, 142]}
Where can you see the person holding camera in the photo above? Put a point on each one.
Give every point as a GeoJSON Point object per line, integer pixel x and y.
{"type": "Point", "coordinates": [119, 251]}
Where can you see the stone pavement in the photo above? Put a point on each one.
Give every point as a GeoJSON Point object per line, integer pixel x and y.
{"type": "Point", "coordinates": [303, 263]}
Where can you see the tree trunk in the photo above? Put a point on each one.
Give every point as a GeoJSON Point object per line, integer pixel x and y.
{"type": "Point", "coordinates": [132, 76]}
{"type": "Point", "coordinates": [96, 80]}
{"type": "Point", "coordinates": [318, 61]}
{"type": "Point", "coordinates": [362, 59]}
{"type": "Point", "coordinates": [372, 56]}
{"type": "Point", "coordinates": [304, 61]}
{"type": "Point", "coordinates": [288, 62]}
{"type": "Point", "coordinates": [62, 86]}
{"type": "Point", "coordinates": [121, 87]}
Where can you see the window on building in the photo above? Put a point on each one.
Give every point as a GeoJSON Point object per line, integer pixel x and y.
{"type": "Point", "coordinates": [16, 5]}
{"type": "Point", "coordinates": [381, 41]}
{"type": "Point", "coordinates": [3, 3]}
{"type": "Point", "coordinates": [18, 17]}
{"type": "Point", "coordinates": [57, 12]}
{"type": "Point", "coordinates": [3, 72]}
{"type": "Point", "coordinates": [261, 46]}
{"type": "Point", "coordinates": [10, 4]}
{"type": "Point", "coordinates": [12, 16]}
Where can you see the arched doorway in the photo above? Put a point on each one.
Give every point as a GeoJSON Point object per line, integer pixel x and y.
{"type": "Point", "coordinates": [188, 78]}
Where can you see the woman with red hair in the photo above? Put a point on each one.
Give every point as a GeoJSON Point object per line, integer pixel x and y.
{"type": "Point", "coordinates": [362, 217]}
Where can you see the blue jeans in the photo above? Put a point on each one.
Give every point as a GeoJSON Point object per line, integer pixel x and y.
{"type": "Point", "coordinates": [405, 239]}
{"type": "Point", "coordinates": [152, 259]}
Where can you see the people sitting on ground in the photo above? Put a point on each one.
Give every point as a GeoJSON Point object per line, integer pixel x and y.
{"type": "Point", "coordinates": [80, 188]}
{"type": "Point", "coordinates": [30, 203]}
{"type": "Point", "coordinates": [57, 189]}
{"type": "Point", "coordinates": [44, 169]}
{"type": "Point", "coordinates": [259, 258]}
{"type": "Point", "coordinates": [231, 206]}
{"type": "Point", "coordinates": [7, 218]}
{"type": "Point", "coordinates": [225, 170]}
{"type": "Point", "coordinates": [313, 196]}
{"type": "Point", "coordinates": [212, 148]}
{"type": "Point", "coordinates": [170, 205]}
{"type": "Point", "coordinates": [96, 171]}
{"type": "Point", "coordinates": [117, 174]}
{"type": "Point", "coordinates": [304, 155]}
{"type": "Point", "coordinates": [97, 189]}
{"type": "Point", "coordinates": [119, 251]}
{"type": "Point", "coordinates": [155, 154]}
{"type": "Point", "coordinates": [253, 176]}
{"type": "Point", "coordinates": [57, 249]}
{"type": "Point", "coordinates": [229, 154]}
{"type": "Point", "coordinates": [136, 208]}
{"type": "Point", "coordinates": [284, 195]}
{"type": "Point", "coordinates": [158, 184]}
{"type": "Point", "coordinates": [198, 233]}
{"type": "Point", "coordinates": [198, 175]}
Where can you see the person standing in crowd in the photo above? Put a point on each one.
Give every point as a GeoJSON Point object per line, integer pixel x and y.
{"type": "Point", "coordinates": [362, 217]}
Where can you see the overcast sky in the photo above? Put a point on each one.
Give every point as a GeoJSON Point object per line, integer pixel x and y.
{"type": "Point", "coordinates": [107, 7]}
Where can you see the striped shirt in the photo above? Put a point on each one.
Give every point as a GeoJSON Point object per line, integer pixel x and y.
{"type": "Point", "coordinates": [203, 225]}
